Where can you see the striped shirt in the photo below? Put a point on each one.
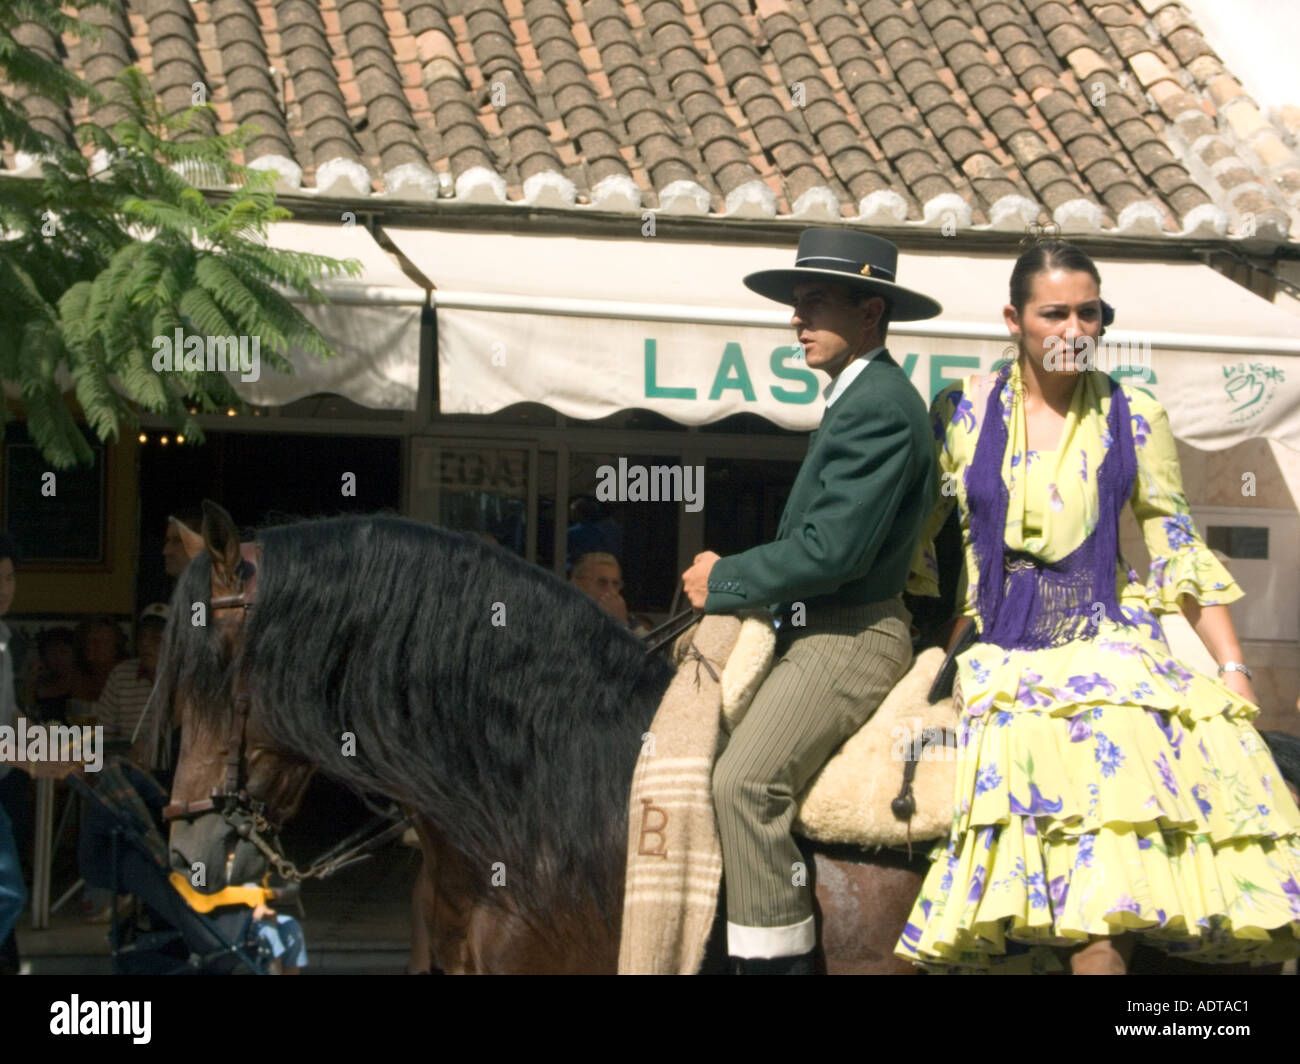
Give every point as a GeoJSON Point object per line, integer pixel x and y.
{"type": "Point", "coordinates": [122, 703]}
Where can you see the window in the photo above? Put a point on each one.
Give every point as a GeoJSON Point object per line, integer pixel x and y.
{"type": "Point", "coordinates": [641, 533]}
{"type": "Point", "coordinates": [1261, 549]}
{"type": "Point", "coordinates": [64, 523]}
{"type": "Point", "coordinates": [1238, 541]}
{"type": "Point", "coordinates": [477, 487]}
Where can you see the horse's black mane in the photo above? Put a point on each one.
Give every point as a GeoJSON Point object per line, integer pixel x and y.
{"type": "Point", "coordinates": [1285, 749]}
{"type": "Point", "coordinates": [517, 739]}
{"type": "Point", "coordinates": [191, 663]}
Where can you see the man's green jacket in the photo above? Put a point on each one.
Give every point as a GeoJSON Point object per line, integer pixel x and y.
{"type": "Point", "coordinates": [856, 509]}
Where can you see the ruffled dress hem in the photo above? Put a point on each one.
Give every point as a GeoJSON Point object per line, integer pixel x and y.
{"type": "Point", "coordinates": [1133, 794]}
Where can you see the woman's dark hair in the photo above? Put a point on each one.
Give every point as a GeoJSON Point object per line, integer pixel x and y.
{"type": "Point", "coordinates": [1041, 258]}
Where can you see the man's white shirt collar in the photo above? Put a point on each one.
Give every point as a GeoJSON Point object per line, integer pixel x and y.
{"type": "Point", "coordinates": [848, 375]}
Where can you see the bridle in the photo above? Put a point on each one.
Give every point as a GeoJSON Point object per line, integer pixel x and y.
{"type": "Point", "coordinates": [246, 815]}
{"type": "Point", "coordinates": [232, 788]}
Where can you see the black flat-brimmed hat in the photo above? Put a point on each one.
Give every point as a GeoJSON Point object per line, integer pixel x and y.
{"type": "Point", "coordinates": [859, 260]}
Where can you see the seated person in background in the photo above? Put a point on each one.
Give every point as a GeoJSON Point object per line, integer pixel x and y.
{"type": "Point", "coordinates": [599, 576]}
{"type": "Point", "coordinates": [119, 709]}
{"type": "Point", "coordinates": [51, 674]}
{"type": "Point", "coordinates": [122, 703]}
{"type": "Point", "coordinates": [100, 646]}
{"type": "Point", "coordinates": [283, 936]}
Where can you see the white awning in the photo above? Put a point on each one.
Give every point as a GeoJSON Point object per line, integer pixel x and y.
{"type": "Point", "coordinates": [590, 326]}
{"type": "Point", "coordinates": [372, 322]}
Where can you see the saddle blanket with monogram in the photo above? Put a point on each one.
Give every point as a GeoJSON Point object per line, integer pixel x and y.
{"type": "Point", "coordinates": [674, 857]}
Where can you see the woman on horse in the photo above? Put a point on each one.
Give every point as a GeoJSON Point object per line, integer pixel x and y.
{"type": "Point", "coordinates": [1104, 790]}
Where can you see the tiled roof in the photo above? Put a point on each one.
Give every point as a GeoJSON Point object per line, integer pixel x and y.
{"type": "Point", "coordinates": [1105, 116]}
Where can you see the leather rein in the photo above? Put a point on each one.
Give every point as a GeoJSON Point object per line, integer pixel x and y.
{"type": "Point", "coordinates": [248, 815]}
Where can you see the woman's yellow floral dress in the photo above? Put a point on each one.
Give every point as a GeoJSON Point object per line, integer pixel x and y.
{"type": "Point", "coordinates": [1101, 785]}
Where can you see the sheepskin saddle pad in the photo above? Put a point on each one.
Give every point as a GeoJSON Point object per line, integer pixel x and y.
{"type": "Point", "coordinates": [674, 856]}
{"type": "Point", "coordinates": [891, 782]}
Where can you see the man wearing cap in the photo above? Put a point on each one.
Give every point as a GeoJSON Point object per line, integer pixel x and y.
{"type": "Point", "coordinates": [121, 705]}
{"type": "Point", "coordinates": [834, 576]}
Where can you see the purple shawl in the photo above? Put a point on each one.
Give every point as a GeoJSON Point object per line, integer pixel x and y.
{"type": "Point", "coordinates": [1024, 602]}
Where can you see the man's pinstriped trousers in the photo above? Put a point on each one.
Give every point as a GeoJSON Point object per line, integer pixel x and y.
{"type": "Point", "coordinates": [828, 679]}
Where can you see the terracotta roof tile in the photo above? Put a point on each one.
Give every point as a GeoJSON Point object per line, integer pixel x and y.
{"type": "Point", "coordinates": [995, 14]}
{"type": "Point", "coordinates": [566, 67]}
{"type": "Point", "coordinates": [962, 143]}
{"type": "Point", "coordinates": [326, 127]}
{"type": "Point", "coordinates": [993, 98]}
{"type": "Point", "coordinates": [1070, 125]}
{"type": "Point", "coordinates": [710, 129]}
{"type": "Point", "coordinates": [995, 117]}
{"type": "Point", "coordinates": [929, 187]}
{"type": "Point", "coordinates": [837, 140]}
{"type": "Point", "coordinates": [947, 118]}
{"type": "Point", "coordinates": [892, 119]}
{"type": "Point", "coordinates": [174, 52]}
{"type": "Point", "coordinates": [1073, 115]}
{"type": "Point", "coordinates": [634, 94]}
{"type": "Point", "coordinates": [1241, 122]}
{"type": "Point", "coordinates": [1026, 104]}
{"type": "Point", "coordinates": [253, 97]}
{"type": "Point", "coordinates": [492, 42]}
{"type": "Point", "coordinates": [1197, 130]}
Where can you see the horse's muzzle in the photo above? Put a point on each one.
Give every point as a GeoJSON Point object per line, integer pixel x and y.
{"type": "Point", "coordinates": [209, 852]}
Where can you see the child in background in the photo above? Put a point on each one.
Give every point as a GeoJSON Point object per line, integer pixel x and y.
{"type": "Point", "coordinates": [283, 936]}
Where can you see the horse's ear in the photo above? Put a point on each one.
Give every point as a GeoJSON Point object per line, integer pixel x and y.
{"type": "Point", "coordinates": [221, 538]}
{"type": "Point", "coordinates": [191, 541]}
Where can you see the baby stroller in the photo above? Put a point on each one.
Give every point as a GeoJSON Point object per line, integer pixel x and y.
{"type": "Point", "coordinates": [163, 935]}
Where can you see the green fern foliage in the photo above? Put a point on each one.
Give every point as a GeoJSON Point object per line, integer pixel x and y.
{"type": "Point", "coordinates": [111, 247]}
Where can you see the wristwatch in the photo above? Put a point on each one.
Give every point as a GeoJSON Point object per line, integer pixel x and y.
{"type": "Point", "coordinates": [1235, 666]}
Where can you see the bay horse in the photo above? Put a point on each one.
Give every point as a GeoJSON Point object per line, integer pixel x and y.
{"type": "Point", "coordinates": [498, 704]}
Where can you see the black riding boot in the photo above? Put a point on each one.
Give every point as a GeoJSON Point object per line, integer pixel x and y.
{"type": "Point", "coordinates": [802, 964]}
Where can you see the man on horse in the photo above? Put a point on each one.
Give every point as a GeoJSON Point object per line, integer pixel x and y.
{"type": "Point", "coordinates": [834, 576]}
